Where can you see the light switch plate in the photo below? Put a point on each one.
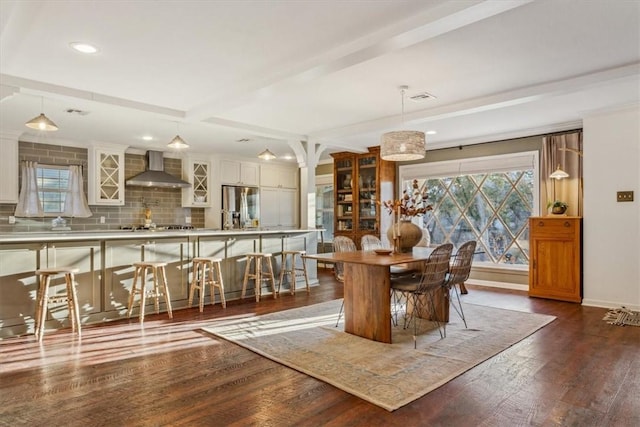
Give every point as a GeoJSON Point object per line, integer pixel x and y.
{"type": "Point", "coordinates": [12, 219]}
{"type": "Point", "coordinates": [187, 220]}
{"type": "Point", "coordinates": [625, 196]}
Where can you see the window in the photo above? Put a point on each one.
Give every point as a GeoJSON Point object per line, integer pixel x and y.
{"type": "Point", "coordinates": [53, 182]}
{"type": "Point", "coordinates": [324, 205]}
{"type": "Point", "coordinates": [487, 199]}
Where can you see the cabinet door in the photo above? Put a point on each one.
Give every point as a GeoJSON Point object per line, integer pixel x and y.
{"type": "Point", "coordinates": [106, 177]}
{"type": "Point", "coordinates": [198, 173]}
{"type": "Point", "coordinates": [230, 172]}
{"type": "Point", "coordinates": [249, 173]}
{"type": "Point", "coordinates": [288, 207]}
{"type": "Point", "coordinates": [269, 212]}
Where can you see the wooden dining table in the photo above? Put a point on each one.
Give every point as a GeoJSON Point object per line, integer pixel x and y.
{"type": "Point", "coordinates": [367, 289]}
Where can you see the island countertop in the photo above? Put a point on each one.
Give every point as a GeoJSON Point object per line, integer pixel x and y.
{"type": "Point", "coordinates": [74, 236]}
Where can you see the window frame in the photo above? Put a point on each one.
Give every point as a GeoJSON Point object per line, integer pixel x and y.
{"type": "Point", "coordinates": [41, 190]}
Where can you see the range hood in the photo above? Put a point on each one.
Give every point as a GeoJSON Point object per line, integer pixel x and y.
{"type": "Point", "coordinates": [155, 176]}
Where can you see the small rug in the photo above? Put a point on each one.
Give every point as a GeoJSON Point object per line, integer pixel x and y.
{"type": "Point", "coordinates": [387, 375]}
{"type": "Point", "coordinates": [622, 316]}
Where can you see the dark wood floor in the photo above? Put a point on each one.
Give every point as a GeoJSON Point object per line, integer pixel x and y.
{"type": "Point", "coordinates": [577, 371]}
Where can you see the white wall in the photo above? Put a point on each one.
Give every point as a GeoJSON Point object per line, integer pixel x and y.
{"type": "Point", "coordinates": [611, 237]}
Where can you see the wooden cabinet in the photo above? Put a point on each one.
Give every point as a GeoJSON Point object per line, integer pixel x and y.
{"type": "Point", "coordinates": [106, 175]}
{"type": "Point", "coordinates": [9, 166]}
{"type": "Point", "coordinates": [555, 258]}
{"type": "Point", "coordinates": [361, 181]}
{"type": "Point", "coordinates": [198, 173]}
{"type": "Point", "coordinates": [278, 176]}
{"type": "Point", "coordinates": [238, 173]}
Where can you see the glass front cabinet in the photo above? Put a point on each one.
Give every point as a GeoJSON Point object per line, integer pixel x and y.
{"type": "Point", "coordinates": [106, 175]}
{"type": "Point", "coordinates": [361, 182]}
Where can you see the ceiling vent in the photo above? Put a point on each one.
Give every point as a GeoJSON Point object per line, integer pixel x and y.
{"type": "Point", "coordinates": [423, 96]}
{"type": "Point", "coordinates": [76, 111]}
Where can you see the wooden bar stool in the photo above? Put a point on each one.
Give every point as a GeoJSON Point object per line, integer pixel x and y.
{"type": "Point", "coordinates": [201, 276]}
{"type": "Point", "coordinates": [43, 299]}
{"type": "Point", "coordinates": [292, 271]}
{"type": "Point", "coordinates": [159, 279]}
{"type": "Point", "coordinates": [259, 274]}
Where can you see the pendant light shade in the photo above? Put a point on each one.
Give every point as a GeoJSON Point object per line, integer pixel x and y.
{"type": "Point", "coordinates": [178, 143]}
{"type": "Point", "coordinates": [559, 174]}
{"type": "Point", "coordinates": [42, 122]}
{"type": "Point", "coordinates": [402, 145]}
{"type": "Point", "coordinates": [266, 155]}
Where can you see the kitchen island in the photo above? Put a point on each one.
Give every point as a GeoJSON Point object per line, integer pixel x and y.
{"type": "Point", "coordinates": [104, 258]}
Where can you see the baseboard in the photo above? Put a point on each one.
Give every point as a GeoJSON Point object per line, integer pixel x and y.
{"type": "Point", "coordinates": [493, 284]}
{"type": "Point", "coordinates": [609, 304]}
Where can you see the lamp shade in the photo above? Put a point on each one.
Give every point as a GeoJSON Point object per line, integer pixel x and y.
{"type": "Point", "coordinates": [402, 145]}
{"type": "Point", "coordinates": [266, 155]}
{"type": "Point", "coordinates": [178, 143]}
{"type": "Point", "coordinates": [559, 174]}
{"type": "Point", "coordinates": [41, 122]}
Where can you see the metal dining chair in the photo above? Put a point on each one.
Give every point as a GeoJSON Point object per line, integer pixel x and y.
{"type": "Point", "coordinates": [341, 244]}
{"type": "Point", "coordinates": [459, 271]}
{"type": "Point", "coordinates": [423, 290]}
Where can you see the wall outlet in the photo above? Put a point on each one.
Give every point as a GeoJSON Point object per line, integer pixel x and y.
{"type": "Point", "coordinates": [12, 219]}
{"type": "Point", "coordinates": [102, 220]}
{"type": "Point", "coordinates": [187, 220]}
{"type": "Point", "coordinates": [625, 196]}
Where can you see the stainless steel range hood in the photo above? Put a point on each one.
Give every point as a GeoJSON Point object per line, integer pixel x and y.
{"type": "Point", "coordinates": [155, 176]}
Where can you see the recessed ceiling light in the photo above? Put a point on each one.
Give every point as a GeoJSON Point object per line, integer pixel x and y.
{"type": "Point", "coordinates": [83, 47]}
{"type": "Point", "coordinates": [147, 138]}
{"type": "Point", "coordinates": [431, 132]}
{"type": "Point", "coordinates": [287, 157]}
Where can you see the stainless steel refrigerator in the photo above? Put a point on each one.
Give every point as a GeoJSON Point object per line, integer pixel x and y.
{"type": "Point", "coordinates": [240, 207]}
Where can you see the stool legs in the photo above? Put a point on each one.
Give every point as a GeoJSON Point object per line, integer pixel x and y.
{"type": "Point", "coordinates": [200, 278]}
{"type": "Point", "coordinates": [258, 275]}
{"type": "Point", "coordinates": [292, 271]}
{"type": "Point", "coordinates": [160, 288]}
{"type": "Point", "coordinates": [43, 300]}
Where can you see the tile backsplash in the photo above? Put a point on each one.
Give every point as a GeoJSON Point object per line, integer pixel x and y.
{"type": "Point", "coordinates": [165, 204]}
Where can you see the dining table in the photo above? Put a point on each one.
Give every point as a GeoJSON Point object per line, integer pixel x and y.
{"type": "Point", "coordinates": [367, 288]}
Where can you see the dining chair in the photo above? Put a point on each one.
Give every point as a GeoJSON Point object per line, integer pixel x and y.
{"type": "Point", "coordinates": [423, 290]}
{"type": "Point", "coordinates": [369, 242]}
{"type": "Point", "coordinates": [341, 244]}
{"type": "Point", "coordinates": [459, 271]}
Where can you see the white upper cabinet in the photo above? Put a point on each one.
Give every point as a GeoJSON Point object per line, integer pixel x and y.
{"type": "Point", "coordinates": [238, 173]}
{"type": "Point", "coordinates": [278, 176]}
{"type": "Point", "coordinates": [198, 173]}
{"type": "Point", "coordinates": [9, 168]}
{"type": "Point", "coordinates": [278, 207]}
{"type": "Point", "coordinates": [106, 175]}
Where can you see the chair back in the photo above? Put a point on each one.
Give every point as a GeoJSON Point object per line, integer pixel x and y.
{"type": "Point", "coordinates": [435, 268]}
{"type": "Point", "coordinates": [460, 267]}
{"type": "Point", "coordinates": [342, 244]}
{"type": "Point", "coordinates": [369, 242]}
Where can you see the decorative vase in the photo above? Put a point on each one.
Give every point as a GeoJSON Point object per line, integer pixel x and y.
{"type": "Point", "coordinates": [408, 235]}
{"type": "Point", "coordinates": [346, 184]}
{"type": "Point", "coordinates": [558, 210]}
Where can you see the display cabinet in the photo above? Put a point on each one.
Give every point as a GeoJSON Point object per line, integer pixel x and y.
{"type": "Point", "coordinates": [361, 182]}
{"type": "Point", "coordinates": [198, 173]}
{"type": "Point", "coordinates": [555, 257]}
{"type": "Point", "coordinates": [106, 175]}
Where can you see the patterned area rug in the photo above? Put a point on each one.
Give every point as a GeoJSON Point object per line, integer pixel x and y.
{"type": "Point", "coordinates": [622, 316]}
{"type": "Point", "coordinates": [387, 375]}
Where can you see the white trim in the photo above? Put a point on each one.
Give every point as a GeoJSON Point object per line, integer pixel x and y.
{"type": "Point", "coordinates": [502, 285]}
{"type": "Point", "coordinates": [608, 304]}
{"type": "Point", "coordinates": [326, 179]}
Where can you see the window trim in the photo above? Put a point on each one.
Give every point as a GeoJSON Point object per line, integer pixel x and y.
{"type": "Point", "coordinates": [40, 191]}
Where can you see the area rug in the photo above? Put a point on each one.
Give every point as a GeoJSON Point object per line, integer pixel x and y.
{"type": "Point", "coordinates": [622, 317]}
{"type": "Point", "coordinates": [387, 375]}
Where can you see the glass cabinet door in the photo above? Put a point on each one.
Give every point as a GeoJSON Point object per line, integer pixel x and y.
{"type": "Point", "coordinates": [367, 194]}
{"type": "Point", "coordinates": [344, 181]}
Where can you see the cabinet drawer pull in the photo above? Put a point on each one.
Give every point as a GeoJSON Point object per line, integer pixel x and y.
{"type": "Point", "coordinates": [541, 224]}
{"type": "Point", "coordinates": [566, 224]}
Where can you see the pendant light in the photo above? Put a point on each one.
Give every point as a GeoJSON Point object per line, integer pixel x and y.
{"type": "Point", "coordinates": [559, 174]}
{"type": "Point", "coordinates": [42, 122]}
{"type": "Point", "coordinates": [402, 145]}
{"type": "Point", "coordinates": [177, 142]}
{"type": "Point", "coordinates": [266, 155]}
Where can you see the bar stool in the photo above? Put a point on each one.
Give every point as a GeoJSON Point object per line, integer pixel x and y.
{"type": "Point", "coordinates": [259, 274]}
{"type": "Point", "coordinates": [201, 276]}
{"type": "Point", "coordinates": [43, 299]}
{"type": "Point", "coordinates": [293, 271]}
{"type": "Point", "coordinates": [159, 275]}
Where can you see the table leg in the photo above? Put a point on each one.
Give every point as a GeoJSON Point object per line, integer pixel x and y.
{"type": "Point", "coordinates": [367, 301]}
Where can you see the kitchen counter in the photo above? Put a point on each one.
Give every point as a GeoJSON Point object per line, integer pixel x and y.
{"type": "Point", "coordinates": [104, 259]}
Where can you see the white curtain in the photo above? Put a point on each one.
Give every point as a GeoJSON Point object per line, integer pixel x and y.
{"type": "Point", "coordinates": [29, 201]}
{"type": "Point", "coordinates": [75, 202]}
